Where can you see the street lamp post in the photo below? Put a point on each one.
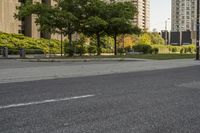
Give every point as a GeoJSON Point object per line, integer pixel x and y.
{"type": "Point", "coordinates": [198, 29]}
{"type": "Point", "coordinates": [166, 31]}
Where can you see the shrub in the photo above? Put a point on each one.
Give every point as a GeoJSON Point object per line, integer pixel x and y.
{"type": "Point", "coordinates": [92, 49]}
{"type": "Point", "coordinates": [187, 49]}
{"type": "Point", "coordinates": [144, 48]}
{"type": "Point", "coordinates": [154, 51]}
{"type": "Point", "coordinates": [174, 49]}
{"type": "Point", "coordinates": [191, 48]}
{"type": "Point", "coordinates": [121, 51]}
{"type": "Point", "coordinates": [13, 51]}
{"type": "Point", "coordinates": [16, 41]}
{"type": "Point", "coordinates": [28, 51]}
{"type": "Point", "coordinates": [181, 51]}
{"type": "Point", "coordinates": [34, 51]}
{"type": "Point", "coordinates": [145, 39]}
{"type": "Point", "coordinates": [128, 48]}
{"type": "Point", "coordinates": [106, 50]}
{"type": "Point", "coordinates": [79, 49]}
{"type": "Point", "coordinates": [69, 51]}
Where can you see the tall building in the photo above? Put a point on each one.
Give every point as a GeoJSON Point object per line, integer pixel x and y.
{"type": "Point", "coordinates": [142, 19]}
{"type": "Point", "coordinates": [7, 22]}
{"type": "Point", "coordinates": [26, 26]}
{"type": "Point", "coordinates": [183, 15]}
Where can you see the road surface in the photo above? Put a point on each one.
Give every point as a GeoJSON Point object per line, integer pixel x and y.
{"type": "Point", "coordinates": [154, 101]}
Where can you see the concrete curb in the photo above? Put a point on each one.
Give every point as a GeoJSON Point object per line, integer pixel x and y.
{"type": "Point", "coordinates": [82, 60]}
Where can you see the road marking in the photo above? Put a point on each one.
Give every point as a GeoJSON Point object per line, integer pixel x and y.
{"type": "Point", "coordinates": [44, 101]}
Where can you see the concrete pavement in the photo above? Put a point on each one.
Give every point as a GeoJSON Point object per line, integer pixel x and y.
{"type": "Point", "coordinates": [17, 71]}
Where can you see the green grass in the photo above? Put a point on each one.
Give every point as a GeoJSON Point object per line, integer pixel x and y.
{"type": "Point", "coordinates": [163, 56]}
{"type": "Point", "coordinates": [140, 56]}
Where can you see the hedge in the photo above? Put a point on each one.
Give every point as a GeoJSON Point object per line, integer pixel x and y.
{"type": "Point", "coordinates": [162, 49]}
{"type": "Point", "coordinates": [17, 41]}
{"type": "Point", "coordinates": [28, 51]}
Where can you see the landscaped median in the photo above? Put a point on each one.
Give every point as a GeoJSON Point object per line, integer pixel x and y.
{"type": "Point", "coordinates": [41, 48]}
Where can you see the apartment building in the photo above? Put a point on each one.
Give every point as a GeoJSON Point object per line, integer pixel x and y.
{"type": "Point", "coordinates": [142, 19]}
{"type": "Point", "coordinates": [26, 26]}
{"type": "Point", "coordinates": [7, 22]}
{"type": "Point", "coordinates": [183, 15]}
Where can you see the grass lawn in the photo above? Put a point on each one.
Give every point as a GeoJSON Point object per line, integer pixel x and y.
{"type": "Point", "coordinates": [163, 56]}
{"type": "Point", "coordinates": [140, 56]}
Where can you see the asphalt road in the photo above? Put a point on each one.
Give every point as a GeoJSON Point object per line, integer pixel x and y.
{"type": "Point", "coordinates": [161, 101]}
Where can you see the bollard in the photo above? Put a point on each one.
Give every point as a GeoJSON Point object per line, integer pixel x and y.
{"type": "Point", "coordinates": [22, 53]}
{"type": "Point", "coordinates": [1, 51]}
{"type": "Point", "coordinates": [5, 52]}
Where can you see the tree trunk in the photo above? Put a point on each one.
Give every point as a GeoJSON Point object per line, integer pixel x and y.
{"type": "Point", "coordinates": [123, 40]}
{"type": "Point", "coordinates": [49, 45]}
{"type": "Point", "coordinates": [115, 44]}
{"type": "Point", "coordinates": [98, 45]}
{"type": "Point", "coordinates": [70, 40]}
{"type": "Point", "coordinates": [70, 45]}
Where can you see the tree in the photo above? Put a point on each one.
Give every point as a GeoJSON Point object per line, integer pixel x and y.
{"type": "Point", "coordinates": [73, 11]}
{"type": "Point", "coordinates": [45, 16]}
{"type": "Point", "coordinates": [95, 26]}
{"type": "Point", "coordinates": [91, 17]}
{"type": "Point", "coordinates": [145, 39]}
{"type": "Point", "coordinates": [151, 39]}
{"type": "Point", "coordinates": [95, 23]}
{"type": "Point", "coordinates": [119, 18]}
{"type": "Point", "coordinates": [51, 19]}
{"type": "Point", "coordinates": [65, 25]}
{"type": "Point", "coordinates": [156, 38]}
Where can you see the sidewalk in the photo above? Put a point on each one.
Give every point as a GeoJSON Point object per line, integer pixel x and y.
{"type": "Point", "coordinates": [8, 75]}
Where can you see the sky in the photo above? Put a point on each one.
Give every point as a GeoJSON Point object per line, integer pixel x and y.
{"type": "Point", "coordinates": [160, 11]}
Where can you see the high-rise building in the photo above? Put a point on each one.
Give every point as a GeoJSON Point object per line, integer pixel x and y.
{"type": "Point", "coordinates": [26, 26]}
{"type": "Point", "coordinates": [142, 19]}
{"type": "Point", "coordinates": [7, 22]}
{"type": "Point", "coordinates": [183, 15]}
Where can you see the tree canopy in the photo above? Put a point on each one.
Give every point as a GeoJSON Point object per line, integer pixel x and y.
{"type": "Point", "coordinates": [91, 17]}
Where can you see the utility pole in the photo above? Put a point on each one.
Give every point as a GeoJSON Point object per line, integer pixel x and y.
{"type": "Point", "coordinates": [198, 29]}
